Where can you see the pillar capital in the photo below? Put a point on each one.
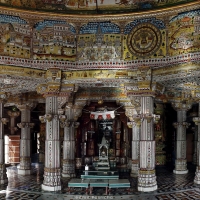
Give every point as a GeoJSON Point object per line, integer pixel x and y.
{"type": "Point", "coordinates": [13, 113]}
{"type": "Point", "coordinates": [196, 120]}
{"type": "Point", "coordinates": [180, 124]}
{"type": "Point", "coordinates": [4, 96]}
{"type": "Point", "coordinates": [129, 112]}
{"type": "Point", "coordinates": [26, 105]}
{"type": "Point", "coordinates": [25, 125]}
{"type": "Point", "coordinates": [181, 105]}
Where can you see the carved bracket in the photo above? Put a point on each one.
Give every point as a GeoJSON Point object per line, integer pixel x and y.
{"type": "Point", "coordinates": [4, 120]}
{"type": "Point", "coordinates": [196, 120]}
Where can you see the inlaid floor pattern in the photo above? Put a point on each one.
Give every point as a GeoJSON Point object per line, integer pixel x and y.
{"type": "Point", "coordinates": [170, 187]}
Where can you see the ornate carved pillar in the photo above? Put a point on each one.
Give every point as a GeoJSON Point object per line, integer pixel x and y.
{"type": "Point", "coordinates": [142, 95]}
{"type": "Point", "coordinates": [181, 125]}
{"type": "Point", "coordinates": [72, 112]}
{"type": "Point", "coordinates": [13, 115]}
{"type": "Point", "coordinates": [197, 123]}
{"type": "Point", "coordinates": [147, 177]}
{"type": "Point", "coordinates": [52, 171]}
{"type": "Point", "coordinates": [3, 177]}
{"type": "Point", "coordinates": [195, 143]}
{"type": "Point", "coordinates": [135, 123]}
{"type": "Point", "coordinates": [25, 140]}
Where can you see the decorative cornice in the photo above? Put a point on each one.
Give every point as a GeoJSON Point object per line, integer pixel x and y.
{"type": "Point", "coordinates": [154, 63]}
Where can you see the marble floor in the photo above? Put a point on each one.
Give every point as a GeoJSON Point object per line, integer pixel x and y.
{"type": "Point", "coordinates": [170, 187]}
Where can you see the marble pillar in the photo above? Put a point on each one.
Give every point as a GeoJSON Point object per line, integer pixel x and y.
{"type": "Point", "coordinates": [13, 115]}
{"type": "Point", "coordinates": [181, 126]}
{"type": "Point", "coordinates": [25, 139]}
{"type": "Point", "coordinates": [52, 171]}
{"type": "Point", "coordinates": [68, 168]}
{"type": "Point", "coordinates": [147, 177]}
{"type": "Point", "coordinates": [195, 145]}
{"type": "Point", "coordinates": [3, 176]}
{"type": "Point", "coordinates": [135, 148]}
{"type": "Point", "coordinates": [197, 122]}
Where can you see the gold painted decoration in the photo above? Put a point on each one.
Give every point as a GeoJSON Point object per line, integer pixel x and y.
{"type": "Point", "coordinates": [144, 40]}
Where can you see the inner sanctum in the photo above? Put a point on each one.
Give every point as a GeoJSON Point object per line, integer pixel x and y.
{"type": "Point", "coordinates": [99, 98]}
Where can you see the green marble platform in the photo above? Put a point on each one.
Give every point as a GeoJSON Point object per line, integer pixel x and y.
{"type": "Point", "coordinates": [100, 175]}
{"type": "Point", "coordinates": [99, 183]}
{"type": "Point", "coordinates": [77, 182]}
{"type": "Point", "coordinates": [120, 183]}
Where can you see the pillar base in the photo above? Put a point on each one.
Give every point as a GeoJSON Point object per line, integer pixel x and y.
{"type": "Point", "coordinates": [3, 181]}
{"type": "Point", "coordinates": [180, 171]}
{"type": "Point", "coordinates": [197, 181]}
{"type": "Point", "coordinates": [134, 173]}
{"type": "Point", "coordinates": [68, 168]}
{"type": "Point", "coordinates": [148, 189]}
{"type": "Point", "coordinates": [66, 175]}
{"type": "Point", "coordinates": [180, 166]}
{"type": "Point", "coordinates": [134, 170]}
{"type": "Point", "coordinates": [197, 176]}
{"type": "Point", "coordinates": [24, 171]}
{"type": "Point", "coordinates": [51, 188]}
{"type": "Point", "coordinates": [147, 181]}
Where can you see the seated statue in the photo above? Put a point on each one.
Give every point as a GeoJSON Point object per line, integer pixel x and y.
{"type": "Point", "coordinates": [103, 152]}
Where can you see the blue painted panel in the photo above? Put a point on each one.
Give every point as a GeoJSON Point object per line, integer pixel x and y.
{"type": "Point", "coordinates": [156, 22]}
{"type": "Point", "coordinates": [105, 27]}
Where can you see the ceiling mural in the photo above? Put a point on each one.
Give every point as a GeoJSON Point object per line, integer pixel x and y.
{"type": "Point", "coordinates": [105, 41]}
{"type": "Point", "coordinates": [184, 33]}
{"type": "Point", "coordinates": [92, 6]}
{"type": "Point", "coordinates": [15, 37]}
{"type": "Point", "coordinates": [99, 42]}
{"type": "Point", "coordinates": [54, 40]}
{"type": "Point", "coordinates": [145, 38]}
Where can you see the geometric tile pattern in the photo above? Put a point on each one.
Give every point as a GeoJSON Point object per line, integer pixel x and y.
{"type": "Point", "coordinates": [170, 186]}
{"type": "Point", "coordinates": [191, 194]}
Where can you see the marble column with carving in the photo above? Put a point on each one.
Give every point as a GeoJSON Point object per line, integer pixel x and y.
{"type": "Point", "coordinates": [147, 177]}
{"type": "Point", "coordinates": [52, 168]}
{"type": "Point", "coordinates": [3, 176]}
{"type": "Point", "coordinates": [69, 140]}
{"type": "Point", "coordinates": [135, 148]}
{"type": "Point", "coordinates": [197, 123]}
{"type": "Point", "coordinates": [52, 171]}
{"type": "Point", "coordinates": [181, 126]}
{"type": "Point", "coordinates": [13, 115]}
{"type": "Point", "coordinates": [195, 144]}
{"type": "Point", "coordinates": [25, 139]}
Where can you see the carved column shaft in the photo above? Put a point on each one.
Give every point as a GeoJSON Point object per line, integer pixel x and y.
{"type": "Point", "coordinates": [135, 149]}
{"type": "Point", "coordinates": [181, 125]}
{"type": "Point", "coordinates": [13, 115]}
{"type": "Point", "coordinates": [25, 140]}
{"type": "Point", "coordinates": [195, 145]}
{"type": "Point", "coordinates": [197, 122]}
{"type": "Point", "coordinates": [147, 178]}
{"type": "Point", "coordinates": [25, 160]}
{"type": "Point", "coordinates": [52, 174]}
{"type": "Point", "coordinates": [3, 177]}
{"type": "Point", "coordinates": [69, 144]}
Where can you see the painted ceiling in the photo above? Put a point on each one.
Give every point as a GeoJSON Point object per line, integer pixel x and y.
{"type": "Point", "coordinates": [92, 6]}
